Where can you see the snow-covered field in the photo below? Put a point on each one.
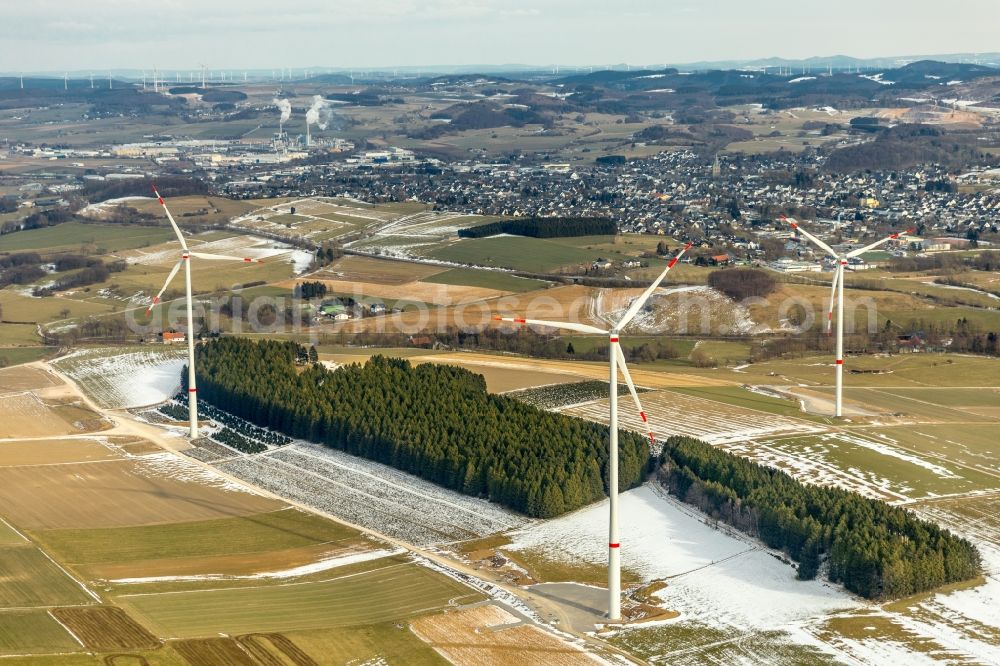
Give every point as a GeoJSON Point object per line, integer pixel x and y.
{"type": "Point", "coordinates": [245, 245]}
{"type": "Point", "coordinates": [169, 465]}
{"type": "Point", "coordinates": [712, 576]}
{"type": "Point", "coordinates": [683, 309]}
{"type": "Point", "coordinates": [725, 581]}
{"type": "Point", "coordinates": [673, 413]}
{"type": "Point", "coordinates": [372, 495]}
{"type": "Point", "coordinates": [126, 378]}
{"type": "Point", "coordinates": [103, 208]}
{"type": "Point", "coordinates": [958, 627]}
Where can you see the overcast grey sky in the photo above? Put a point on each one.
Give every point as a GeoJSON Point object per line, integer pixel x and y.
{"type": "Point", "coordinates": [234, 34]}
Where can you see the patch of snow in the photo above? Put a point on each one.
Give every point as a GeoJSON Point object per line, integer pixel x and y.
{"type": "Point", "coordinates": [174, 466]}
{"type": "Point", "coordinates": [126, 380]}
{"type": "Point", "coordinates": [103, 207]}
{"type": "Point", "coordinates": [954, 101]}
{"type": "Point", "coordinates": [713, 576]}
{"type": "Point", "coordinates": [304, 570]}
{"type": "Point", "coordinates": [801, 79]}
{"type": "Point", "coordinates": [367, 493]}
{"type": "Point", "coordinates": [877, 78]}
{"type": "Point", "coordinates": [887, 450]}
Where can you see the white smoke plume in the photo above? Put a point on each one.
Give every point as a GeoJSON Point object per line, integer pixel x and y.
{"type": "Point", "coordinates": [285, 107]}
{"type": "Point", "coordinates": [319, 113]}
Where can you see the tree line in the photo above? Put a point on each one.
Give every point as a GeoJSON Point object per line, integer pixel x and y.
{"type": "Point", "coordinates": [544, 227]}
{"type": "Point", "coordinates": [519, 341]}
{"type": "Point", "coordinates": [309, 290]}
{"type": "Point", "coordinates": [742, 283]}
{"type": "Point", "coordinates": [435, 421]}
{"type": "Point", "coordinates": [876, 550]}
{"type": "Point", "coordinates": [93, 271]}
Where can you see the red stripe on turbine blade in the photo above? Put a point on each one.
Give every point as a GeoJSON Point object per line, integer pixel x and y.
{"type": "Point", "coordinates": [194, 390]}
{"type": "Point", "coordinates": [161, 201]}
{"type": "Point", "coordinates": [247, 259]}
{"type": "Point", "coordinates": [829, 315]}
{"type": "Point", "coordinates": [643, 415]}
{"type": "Point", "coordinates": [672, 262]}
{"type": "Point", "coordinates": [614, 545]}
{"type": "Point", "coordinates": [652, 441]}
{"type": "Point", "coordinates": [840, 361]}
{"type": "Point", "coordinates": [497, 318]}
{"type": "Point", "coordinates": [794, 226]}
{"type": "Point", "coordinates": [614, 339]}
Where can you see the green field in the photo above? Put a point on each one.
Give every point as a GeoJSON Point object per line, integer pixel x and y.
{"type": "Point", "coordinates": [922, 409]}
{"type": "Point", "coordinates": [259, 533]}
{"type": "Point", "coordinates": [691, 643]}
{"type": "Point", "coordinates": [740, 397]}
{"type": "Point", "coordinates": [469, 277]}
{"type": "Point", "coordinates": [17, 355]}
{"type": "Point", "coordinates": [984, 319]}
{"type": "Point", "coordinates": [23, 335]}
{"type": "Point", "coordinates": [72, 235]}
{"type": "Point", "coordinates": [878, 460]}
{"type": "Point", "coordinates": [951, 397]}
{"type": "Point", "coordinates": [28, 578]}
{"type": "Point", "coordinates": [393, 592]}
{"type": "Point", "coordinates": [725, 352]}
{"type": "Point", "coordinates": [32, 632]}
{"type": "Point", "coordinates": [165, 656]}
{"type": "Point", "coordinates": [901, 370]}
{"type": "Point", "coordinates": [9, 537]}
{"type": "Point", "coordinates": [975, 445]}
{"type": "Point", "coordinates": [17, 307]}
{"type": "Point", "coordinates": [387, 643]}
{"type": "Point", "coordinates": [519, 253]}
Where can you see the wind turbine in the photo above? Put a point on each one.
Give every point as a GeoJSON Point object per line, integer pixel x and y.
{"type": "Point", "coordinates": [837, 295]}
{"type": "Point", "coordinates": [616, 360]}
{"type": "Point", "coordinates": [185, 260]}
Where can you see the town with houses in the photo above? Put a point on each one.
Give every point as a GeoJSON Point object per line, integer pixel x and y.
{"type": "Point", "coordinates": [731, 203]}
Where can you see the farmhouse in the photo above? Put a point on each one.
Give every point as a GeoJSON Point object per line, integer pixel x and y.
{"type": "Point", "coordinates": [170, 337]}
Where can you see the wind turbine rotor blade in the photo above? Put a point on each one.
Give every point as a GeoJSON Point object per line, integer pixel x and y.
{"type": "Point", "coordinates": [862, 250]}
{"type": "Point", "coordinates": [631, 389]}
{"type": "Point", "coordinates": [833, 298]}
{"type": "Point", "coordinates": [177, 230]}
{"type": "Point", "coordinates": [815, 241]}
{"type": "Point", "coordinates": [170, 276]}
{"type": "Point", "coordinates": [639, 302]}
{"type": "Point", "coordinates": [568, 325]}
{"type": "Point", "coordinates": [226, 257]}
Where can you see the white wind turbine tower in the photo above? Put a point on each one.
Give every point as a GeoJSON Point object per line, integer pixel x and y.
{"type": "Point", "coordinates": [616, 360]}
{"type": "Point", "coordinates": [185, 259]}
{"type": "Point", "coordinates": [837, 295]}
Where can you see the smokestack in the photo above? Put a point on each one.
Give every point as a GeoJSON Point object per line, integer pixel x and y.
{"type": "Point", "coordinates": [318, 114]}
